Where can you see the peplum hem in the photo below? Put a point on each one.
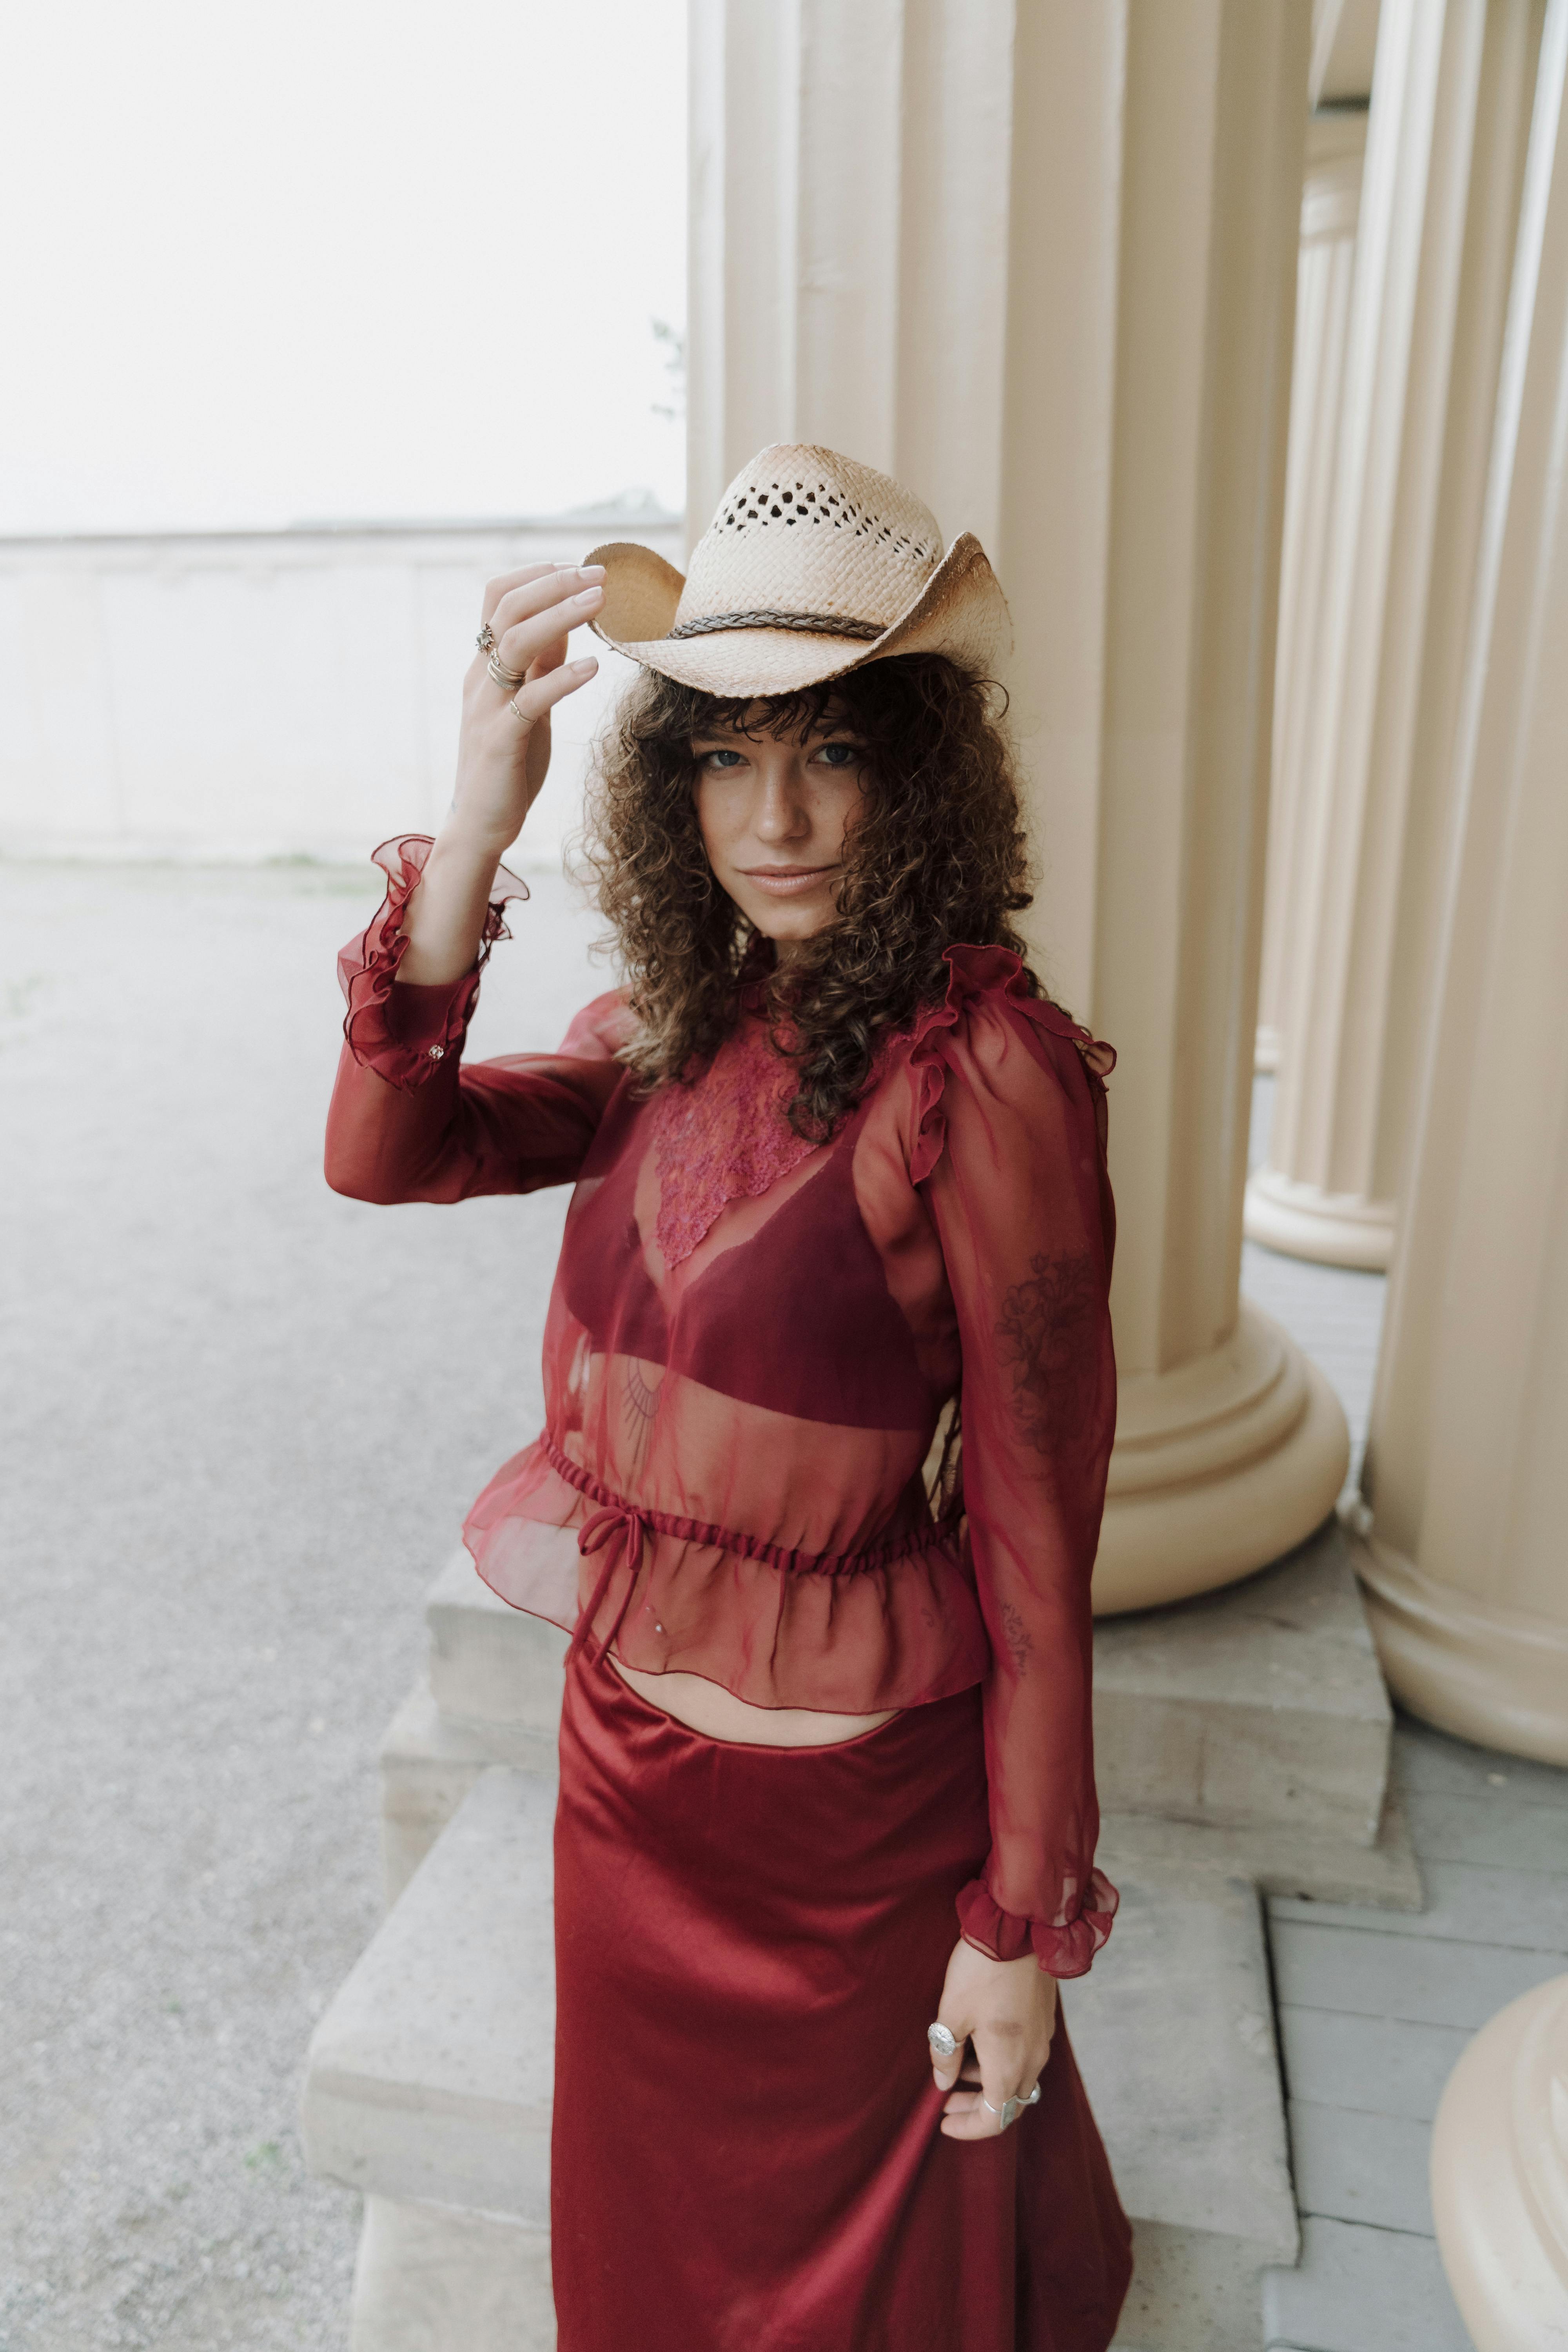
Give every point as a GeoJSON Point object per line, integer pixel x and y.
{"type": "Point", "coordinates": [1064, 1950]}
{"type": "Point", "coordinates": [836, 1639]}
{"type": "Point", "coordinates": [367, 971]}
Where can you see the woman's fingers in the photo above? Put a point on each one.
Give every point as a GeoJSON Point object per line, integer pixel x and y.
{"type": "Point", "coordinates": [947, 2070]}
{"type": "Point", "coordinates": [1001, 2070]}
{"type": "Point", "coordinates": [526, 638]}
{"type": "Point", "coordinates": [496, 589]}
{"type": "Point", "coordinates": [542, 693]}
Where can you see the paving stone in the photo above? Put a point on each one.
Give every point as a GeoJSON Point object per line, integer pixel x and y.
{"type": "Point", "coordinates": [1356, 2167]}
{"type": "Point", "coordinates": [1358, 2289]}
{"type": "Point", "coordinates": [1374, 2065]}
{"type": "Point", "coordinates": [1484, 1830]}
{"type": "Point", "coordinates": [1420, 1978]}
{"type": "Point", "coordinates": [1465, 1903]}
{"type": "Point", "coordinates": [1436, 1761]}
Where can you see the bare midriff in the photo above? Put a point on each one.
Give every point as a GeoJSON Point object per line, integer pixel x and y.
{"type": "Point", "coordinates": [708, 1708]}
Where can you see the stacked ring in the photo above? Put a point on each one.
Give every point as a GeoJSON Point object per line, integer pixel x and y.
{"type": "Point", "coordinates": [509, 680]}
{"type": "Point", "coordinates": [1011, 2109]}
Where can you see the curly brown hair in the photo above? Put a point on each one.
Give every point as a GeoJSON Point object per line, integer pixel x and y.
{"type": "Point", "coordinates": [937, 858]}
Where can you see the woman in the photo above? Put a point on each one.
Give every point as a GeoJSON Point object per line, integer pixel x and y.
{"type": "Point", "coordinates": [827, 1821]}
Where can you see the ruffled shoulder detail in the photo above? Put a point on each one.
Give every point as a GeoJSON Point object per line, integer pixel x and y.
{"type": "Point", "coordinates": [1062, 1951]}
{"type": "Point", "coordinates": [994, 976]}
{"type": "Point", "coordinates": [367, 970]}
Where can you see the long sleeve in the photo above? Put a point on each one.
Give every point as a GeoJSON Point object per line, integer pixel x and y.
{"type": "Point", "coordinates": [1010, 1148]}
{"type": "Point", "coordinates": [408, 1121]}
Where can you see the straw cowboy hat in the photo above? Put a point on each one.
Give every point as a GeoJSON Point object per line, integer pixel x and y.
{"type": "Point", "coordinates": [812, 566]}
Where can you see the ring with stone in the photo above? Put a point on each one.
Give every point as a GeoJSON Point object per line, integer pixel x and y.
{"type": "Point", "coordinates": [485, 640]}
{"type": "Point", "coordinates": [942, 2042]}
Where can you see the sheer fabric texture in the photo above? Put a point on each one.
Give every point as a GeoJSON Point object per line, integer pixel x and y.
{"type": "Point", "coordinates": [749, 1347]}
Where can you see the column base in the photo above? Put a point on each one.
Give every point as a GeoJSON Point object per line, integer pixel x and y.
{"type": "Point", "coordinates": [1499, 2176]}
{"type": "Point", "coordinates": [1493, 1676]}
{"type": "Point", "coordinates": [1220, 1466]}
{"type": "Point", "coordinates": [1333, 1228]}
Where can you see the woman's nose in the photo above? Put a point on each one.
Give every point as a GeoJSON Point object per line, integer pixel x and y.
{"type": "Point", "coordinates": [781, 815]}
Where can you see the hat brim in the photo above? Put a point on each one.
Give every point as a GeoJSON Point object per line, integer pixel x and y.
{"type": "Point", "coordinates": [960, 612]}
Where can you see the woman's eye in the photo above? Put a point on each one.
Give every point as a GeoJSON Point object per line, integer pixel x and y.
{"type": "Point", "coordinates": [721, 759]}
{"type": "Point", "coordinates": [840, 755]}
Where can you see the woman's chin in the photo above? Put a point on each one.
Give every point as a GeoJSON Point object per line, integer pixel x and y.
{"type": "Point", "coordinates": [784, 919]}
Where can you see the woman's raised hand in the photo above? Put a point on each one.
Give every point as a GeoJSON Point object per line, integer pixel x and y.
{"type": "Point", "coordinates": [504, 755]}
{"type": "Point", "coordinates": [503, 748]}
{"type": "Point", "coordinates": [1008, 2009]}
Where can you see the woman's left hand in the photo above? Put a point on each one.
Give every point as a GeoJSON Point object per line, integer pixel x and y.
{"type": "Point", "coordinates": [1008, 2009]}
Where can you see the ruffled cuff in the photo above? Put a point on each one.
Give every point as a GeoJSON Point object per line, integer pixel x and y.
{"type": "Point", "coordinates": [1061, 1951]}
{"type": "Point", "coordinates": [404, 1034]}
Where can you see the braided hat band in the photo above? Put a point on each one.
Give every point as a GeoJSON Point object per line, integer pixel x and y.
{"type": "Point", "coordinates": [812, 565]}
{"type": "Point", "coordinates": [820, 624]}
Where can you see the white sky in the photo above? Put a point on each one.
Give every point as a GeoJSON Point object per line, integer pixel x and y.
{"type": "Point", "coordinates": [322, 258]}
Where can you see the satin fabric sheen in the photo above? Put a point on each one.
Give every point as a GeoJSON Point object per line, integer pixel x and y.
{"type": "Point", "coordinates": [750, 1944]}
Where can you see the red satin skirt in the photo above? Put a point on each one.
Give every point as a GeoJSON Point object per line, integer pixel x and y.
{"type": "Point", "coordinates": [750, 1945]}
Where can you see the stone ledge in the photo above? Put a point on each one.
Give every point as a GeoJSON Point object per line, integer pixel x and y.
{"type": "Point", "coordinates": [1173, 2029]}
{"type": "Point", "coordinates": [428, 1764]}
{"type": "Point", "coordinates": [1323, 1869]}
{"type": "Point", "coordinates": [491, 1664]}
{"type": "Point", "coordinates": [1258, 1707]}
{"type": "Point", "coordinates": [429, 2077]}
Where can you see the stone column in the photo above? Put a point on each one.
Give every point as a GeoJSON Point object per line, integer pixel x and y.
{"type": "Point", "coordinates": [1060, 305]}
{"type": "Point", "coordinates": [1465, 1483]}
{"type": "Point", "coordinates": [1499, 2176]}
{"type": "Point", "coordinates": [1450, 111]}
{"type": "Point", "coordinates": [1336, 145]}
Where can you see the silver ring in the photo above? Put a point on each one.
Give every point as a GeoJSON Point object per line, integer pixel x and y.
{"type": "Point", "coordinates": [509, 680]}
{"type": "Point", "coordinates": [485, 640]}
{"type": "Point", "coordinates": [1011, 2109]}
{"type": "Point", "coordinates": [520, 715]}
{"type": "Point", "coordinates": [942, 2042]}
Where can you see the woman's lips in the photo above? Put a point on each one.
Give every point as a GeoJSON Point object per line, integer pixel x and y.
{"type": "Point", "coordinates": [786, 881]}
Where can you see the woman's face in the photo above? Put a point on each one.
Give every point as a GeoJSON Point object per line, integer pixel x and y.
{"type": "Point", "coordinates": [773, 816]}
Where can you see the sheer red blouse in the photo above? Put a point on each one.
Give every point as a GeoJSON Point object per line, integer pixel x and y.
{"type": "Point", "coordinates": [750, 1342]}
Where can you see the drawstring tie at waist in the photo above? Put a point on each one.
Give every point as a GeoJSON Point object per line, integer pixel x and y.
{"type": "Point", "coordinates": [620, 1531]}
{"type": "Point", "coordinates": [621, 1521]}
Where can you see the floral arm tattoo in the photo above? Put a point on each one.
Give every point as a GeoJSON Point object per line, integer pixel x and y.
{"type": "Point", "coordinates": [1044, 1340]}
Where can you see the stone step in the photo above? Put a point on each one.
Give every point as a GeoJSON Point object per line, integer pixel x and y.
{"type": "Point", "coordinates": [428, 2077]}
{"type": "Point", "coordinates": [1260, 1707]}
{"type": "Point", "coordinates": [428, 2089]}
{"type": "Point", "coordinates": [491, 1665]}
{"type": "Point", "coordinates": [428, 1764]}
{"type": "Point", "coordinates": [1173, 2029]}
